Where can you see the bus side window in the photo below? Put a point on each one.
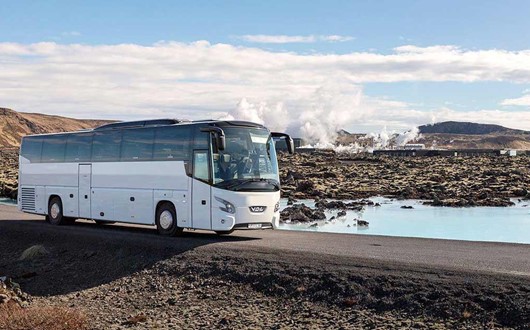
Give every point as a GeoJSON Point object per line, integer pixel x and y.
{"type": "Point", "coordinates": [172, 143]}
{"type": "Point", "coordinates": [53, 148]}
{"type": "Point", "coordinates": [32, 148]}
{"type": "Point", "coordinates": [137, 144]}
{"type": "Point", "coordinates": [78, 148]}
{"type": "Point", "coordinates": [201, 139]}
{"type": "Point", "coordinates": [106, 146]}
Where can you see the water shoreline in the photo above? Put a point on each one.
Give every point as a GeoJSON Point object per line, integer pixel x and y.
{"type": "Point", "coordinates": [412, 218]}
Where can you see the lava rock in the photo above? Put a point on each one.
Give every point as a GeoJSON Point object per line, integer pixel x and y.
{"type": "Point", "coordinates": [362, 223]}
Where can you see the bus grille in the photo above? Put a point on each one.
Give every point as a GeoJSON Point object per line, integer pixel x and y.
{"type": "Point", "coordinates": [28, 199]}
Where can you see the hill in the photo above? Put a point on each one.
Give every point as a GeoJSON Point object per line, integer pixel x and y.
{"type": "Point", "coordinates": [14, 125]}
{"type": "Point", "coordinates": [453, 135]}
{"type": "Point", "coordinates": [468, 128]}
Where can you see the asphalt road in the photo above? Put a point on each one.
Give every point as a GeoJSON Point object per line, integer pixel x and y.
{"type": "Point", "coordinates": [500, 258]}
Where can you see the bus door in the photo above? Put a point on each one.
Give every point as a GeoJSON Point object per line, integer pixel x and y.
{"type": "Point", "coordinates": [201, 191]}
{"type": "Point", "coordinates": [85, 183]}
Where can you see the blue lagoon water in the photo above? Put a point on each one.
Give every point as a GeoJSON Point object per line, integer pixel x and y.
{"type": "Point", "coordinates": [495, 224]}
{"type": "Point", "coordinates": [7, 201]}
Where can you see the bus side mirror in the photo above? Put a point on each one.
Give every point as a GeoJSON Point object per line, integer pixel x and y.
{"type": "Point", "coordinates": [290, 145]}
{"type": "Point", "coordinates": [288, 140]}
{"type": "Point", "coordinates": [221, 142]}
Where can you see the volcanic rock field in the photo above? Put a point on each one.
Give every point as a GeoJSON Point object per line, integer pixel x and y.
{"type": "Point", "coordinates": [441, 181]}
{"type": "Point", "coordinates": [8, 173]}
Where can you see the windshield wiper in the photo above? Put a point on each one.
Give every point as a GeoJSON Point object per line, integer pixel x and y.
{"type": "Point", "coordinates": [230, 184]}
{"type": "Point", "coordinates": [234, 184]}
{"type": "Point", "coordinates": [272, 182]}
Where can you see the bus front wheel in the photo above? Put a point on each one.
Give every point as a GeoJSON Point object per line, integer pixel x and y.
{"type": "Point", "coordinates": [55, 212]}
{"type": "Point", "coordinates": [166, 220]}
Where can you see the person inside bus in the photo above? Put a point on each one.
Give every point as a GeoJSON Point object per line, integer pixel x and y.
{"type": "Point", "coordinates": [226, 168]}
{"type": "Point", "coordinates": [244, 164]}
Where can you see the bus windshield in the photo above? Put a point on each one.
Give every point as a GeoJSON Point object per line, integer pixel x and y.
{"type": "Point", "coordinates": [248, 162]}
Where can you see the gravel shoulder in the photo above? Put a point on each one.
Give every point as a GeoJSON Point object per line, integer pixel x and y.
{"type": "Point", "coordinates": [128, 277]}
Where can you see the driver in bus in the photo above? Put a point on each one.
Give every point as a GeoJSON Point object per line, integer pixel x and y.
{"type": "Point", "coordinates": [244, 164]}
{"type": "Point", "coordinates": [226, 168]}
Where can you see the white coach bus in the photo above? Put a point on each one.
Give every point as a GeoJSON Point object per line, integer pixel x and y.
{"type": "Point", "coordinates": [213, 175]}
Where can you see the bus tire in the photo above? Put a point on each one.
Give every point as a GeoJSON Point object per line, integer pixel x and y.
{"type": "Point", "coordinates": [55, 212]}
{"type": "Point", "coordinates": [166, 220]}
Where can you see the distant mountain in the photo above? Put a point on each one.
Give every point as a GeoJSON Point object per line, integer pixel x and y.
{"type": "Point", "coordinates": [455, 135]}
{"type": "Point", "coordinates": [14, 125]}
{"type": "Point", "coordinates": [456, 127]}
{"type": "Point", "coordinates": [343, 132]}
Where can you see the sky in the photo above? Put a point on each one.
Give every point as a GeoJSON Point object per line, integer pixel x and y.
{"type": "Point", "coordinates": [306, 67]}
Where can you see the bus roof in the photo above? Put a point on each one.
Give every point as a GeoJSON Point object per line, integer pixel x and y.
{"type": "Point", "coordinates": [160, 123]}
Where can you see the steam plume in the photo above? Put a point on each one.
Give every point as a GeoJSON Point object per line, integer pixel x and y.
{"type": "Point", "coordinates": [316, 116]}
{"type": "Point", "coordinates": [408, 136]}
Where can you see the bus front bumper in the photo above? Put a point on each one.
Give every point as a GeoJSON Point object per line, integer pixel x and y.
{"type": "Point", "coordinates": [222, 221]}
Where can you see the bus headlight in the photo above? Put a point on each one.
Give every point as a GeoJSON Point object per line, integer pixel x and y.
{"type": "Point", "coordinates": [227, 206]}
{"type": "Point", "coordinates": [277, 207]}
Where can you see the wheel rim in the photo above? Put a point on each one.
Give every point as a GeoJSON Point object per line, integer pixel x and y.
{"type": "Point", "coordinates": [55, 210]}
{"type": "Point", "coordinates": [166, 219]}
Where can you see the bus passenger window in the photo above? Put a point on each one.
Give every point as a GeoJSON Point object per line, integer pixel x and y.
{"type": "Point", "coordinates": [106, 146]}
{"type": "Point", "coordinates": [53, 148]}
{"type": "Point", "coordinates": [78, 148]}
{"type": "Point", "coordinates": [32, 148]}
{"type": "Point", "coordinates": [172, 143]}
{"type": "Point", "coordinates": [137, 144]}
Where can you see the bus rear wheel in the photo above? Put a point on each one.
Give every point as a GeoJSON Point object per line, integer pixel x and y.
{"type": "Point", "coordinates": [166, 220]}
{"type": "Point", "coordinates": [55, 212]}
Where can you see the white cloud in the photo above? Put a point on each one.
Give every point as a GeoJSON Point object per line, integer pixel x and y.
{"type": "Point", "coordinates": [336, 38]}
{"type": "Point", "coordinates": [287, 90]}
{"type": "Point", "coordinates": [519, 120]}
{"type": "Point", "coordinates": [520, 101]}
{"type": "Point", "coordinates": [401, 116]}
{"type": "Point", "coordinates": [284, 39]}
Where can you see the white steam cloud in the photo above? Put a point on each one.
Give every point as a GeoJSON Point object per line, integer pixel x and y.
{"type": "Point", "coordinates": [273, 116]}
{"type": "Point", "coordinates": [330, 111]}
{"type": "Point", "coordinates": [380, 140]}
{"type": "Point", "coordinates": [409, 136]}
{"type": "Point", "coordinates": [323, 113]}
{"type": "Point", "coordinates": [385, 140]}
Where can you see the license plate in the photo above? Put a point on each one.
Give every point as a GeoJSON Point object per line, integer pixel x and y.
{"type": "Point", "coordinates": [254, 225]}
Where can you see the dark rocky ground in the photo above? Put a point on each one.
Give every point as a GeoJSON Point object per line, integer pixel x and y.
{"type": "Point", "coordinates": [8, 173]}
{"type": "Point", "coordinates": [132, 279]}
{"type": "Point", "coordinates": [444, 181]}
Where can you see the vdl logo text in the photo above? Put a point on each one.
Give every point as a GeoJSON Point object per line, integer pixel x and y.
{"type": "Point", "coordinates": [257, 209]}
